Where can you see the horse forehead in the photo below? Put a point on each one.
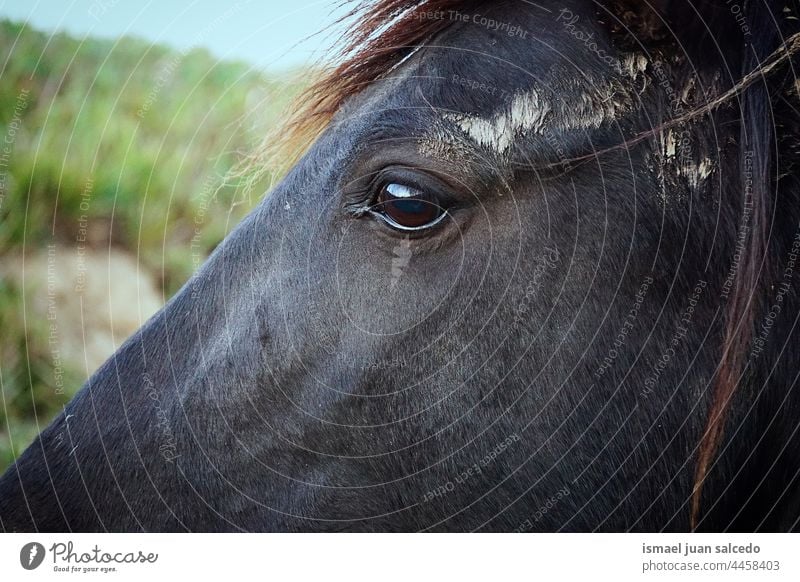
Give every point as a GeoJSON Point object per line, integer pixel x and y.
{"type": "Point", "coordinates": [550, 106]}
{"type": "Point", "coordinates": [483, 102]}
{"type": "Point", "coordinates": [496, 102]}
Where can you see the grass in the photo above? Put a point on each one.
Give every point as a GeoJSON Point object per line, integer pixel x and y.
{"type": "Point", "coordinates": [122, 143]}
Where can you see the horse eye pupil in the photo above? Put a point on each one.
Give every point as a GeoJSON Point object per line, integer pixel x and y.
{"type": "Point", "coordinates": [408, 207]}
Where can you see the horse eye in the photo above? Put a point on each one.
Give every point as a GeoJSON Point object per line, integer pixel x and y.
{"type": "Point", "coordinates": [407, 208]}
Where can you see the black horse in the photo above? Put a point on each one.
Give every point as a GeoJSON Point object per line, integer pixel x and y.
{"type": "Point", "coordinates": [537, 272]}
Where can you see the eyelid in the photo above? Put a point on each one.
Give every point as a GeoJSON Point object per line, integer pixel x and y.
{"type": "Point", "coordinates": [363, 192]}
{"type": "Point", "coordinates": [414, 178]}
{"type": "Point", "coordinates": [401, 228]}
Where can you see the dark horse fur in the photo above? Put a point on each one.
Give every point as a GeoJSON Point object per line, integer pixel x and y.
{"type": "Point", "coordinates": [600, 336]}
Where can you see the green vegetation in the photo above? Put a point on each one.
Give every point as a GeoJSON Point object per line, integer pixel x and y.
{"type": "Point", "coordinates": [112, 142]}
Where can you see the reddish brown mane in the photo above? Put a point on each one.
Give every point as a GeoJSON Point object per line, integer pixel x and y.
{"type": "Point", "coordinates": [384, 33]}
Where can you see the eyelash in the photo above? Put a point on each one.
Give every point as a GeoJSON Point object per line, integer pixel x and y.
{"type": "Point", "coordinates": [359, 202]}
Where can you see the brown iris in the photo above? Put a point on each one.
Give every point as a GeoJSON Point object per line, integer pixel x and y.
{"type": "Point", "coordinates": [407, 208]}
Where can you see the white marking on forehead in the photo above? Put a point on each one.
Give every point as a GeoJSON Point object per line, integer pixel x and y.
{"type": "Point", "coordinates": [695, 174]}
{"type": "Point", "coordinates": [526, 114]}
{"type": "Point", "coordinates": [588, 105]}
{"type": "Point", "coordinates": [680, 170]}
{"type": "Point", "coordinates": [634, 64]}
{"type": "Point", "coordinates": [668, 143]}
{"type": "Point", "coordinates": [590, 111]}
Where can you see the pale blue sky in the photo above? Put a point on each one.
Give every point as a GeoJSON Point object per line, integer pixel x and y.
{"type": "Point", "coordinates": [269, 34]}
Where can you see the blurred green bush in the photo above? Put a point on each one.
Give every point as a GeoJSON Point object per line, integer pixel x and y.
{"type": "Point", "coordinates": [122, 143]}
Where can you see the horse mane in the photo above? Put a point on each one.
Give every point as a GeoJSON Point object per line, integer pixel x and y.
{"type": "Point", "coordinates": [386, 32]}
{"type": "Point", "coordinates": [759, 118]}
{"type": "Point", "coordinates": [383, 34]}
